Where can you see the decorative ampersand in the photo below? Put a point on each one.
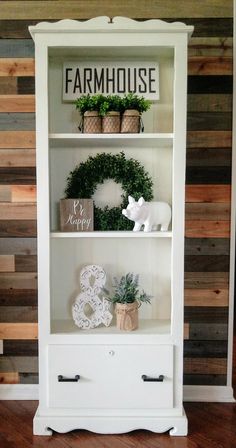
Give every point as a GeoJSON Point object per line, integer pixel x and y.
{"type": "Point", "coordinates": [90, 296]}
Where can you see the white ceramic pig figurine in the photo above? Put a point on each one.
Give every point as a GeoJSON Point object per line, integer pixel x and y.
{"type": "Point", "coordinates": [149, 214]}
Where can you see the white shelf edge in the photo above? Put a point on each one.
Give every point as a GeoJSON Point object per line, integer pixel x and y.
{"type": "Point", "coordinates": [80, 136]}
{"type": "Point", "coordinates": [111, 234]}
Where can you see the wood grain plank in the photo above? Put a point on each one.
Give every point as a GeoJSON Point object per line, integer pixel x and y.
{"type": "Point", "coordinates": [28, 378]}
{"type": "Point", "coordinates": [210, 84]}
{"type": "Point", "coordinates": [20, 314]}
{"type": "Point", "coordinates": [209, 139]}
{"type": "Point", "coordinates": [17, 103]}
{"type": "Point", "coordinates": [186, 330]}
{"type": "Point", "coordinates": [22, 121]}
{"type": "Point", "coordinates": [17, 157]}
{"type": "Point", "coordinates": [17, 211]}
{"type": "Point", "coordinates": [205, 349]}
{"type": "Point", "coordinates": [208, 157]}
{"type": "Point", "coordinates": [207, 211]}
{"type": "Point", "coordinates": [206, 315]}
{"type": "Point", "coordinates": [210, 27]}
{"type": "Point", "coordinates": [19, 331]}
{"type": "Point", "coordinates": [209, 332]}
{"type": "Point", "coordinates": [210, 65]}
{"type": "Point", "coordinates": [206, 246]}
{"type": "Point", "coordinates": [208, 193]}
{"type": "Point", "coordinates": [210, 46]}
{"type": "Point", "coordinates": [18, 29]}
{"type": "Point", "coordinates": [201, 121]}
{"type": "Point", "coordinates": [17, 139]}
{"type": "Point", "coordinates": [18, 246]}
{"type": "Point", "coordinates": [81, 9]}
{"type": "Point", "coordinates": [7, 263]}
{"type": "Point", "coordinates": [18, 297]}
{"type": "Point", "coordinates": [206, 102]}
{"type": "Point", "coordinates": [18, 48]}
{"type": "Point", "coordinates": [205, 380]}
{"type": "Point", "coordinates": [8, 85]}
{"type": "Point", "coordinates": [208, 175]}
{"type": "Point", "coordinates": [19, 363]}
{"type": "Point", "coordinates": [23, 193]}
{"type": "Point", "coordinates": [206, 297]}
{"type": "Point", "coordinates": [17, 175]}
{"type": "Point", "coordinates": [17, 67]}
{"type": "Point", "coordinates": [205, 366]}
{"type": "Point", "coordinates": [18, 280]}
{"type": "Point", "coordinates": [206, 280]}
{"type": "Point", "coordinates": [18, 228]}
{"type": "Point", "coordinates": [206, 263]}
{"type": "Point", "coordinates": [5, 193]}
{"type": "Point", "coordinates": [9, 378]}
{"type": "Point", "coordinates": [20, 348]}
{"type": "Point", "coordinates": [25, 263]}
{"type": "Point", "coordinates": [26, 85]}
{"type": "Point", "coordinates": [207, 229]}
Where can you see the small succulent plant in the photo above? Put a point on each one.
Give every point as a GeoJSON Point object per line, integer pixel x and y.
{"type": "Point", "coordinates": [126, 290]}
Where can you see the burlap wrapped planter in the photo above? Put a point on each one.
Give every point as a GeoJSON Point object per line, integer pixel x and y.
{"type": "Point", "coordinates": [127, 316]}
{"type": "Point", "coordinates": [130, 122]}
{"type": "Point", "coordinates": [92, 123]}
{"type": "Point", "coordinates": [111, 123]}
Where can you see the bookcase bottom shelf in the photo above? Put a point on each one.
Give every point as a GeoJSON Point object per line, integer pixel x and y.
{"type": "Point", "coordinates": [148, 328]}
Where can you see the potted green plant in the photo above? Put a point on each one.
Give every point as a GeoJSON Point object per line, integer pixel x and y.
{"type": "Point", "coordinates": [110, 111]}
{"type": "Point", "coordinates": [89, 108]}
{"type": "Point", "coordinates": [127, 300]}
{"type": "Point", "coordinates": [133, 106]}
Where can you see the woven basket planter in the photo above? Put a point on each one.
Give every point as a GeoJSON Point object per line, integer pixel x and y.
{"type": "Point", "coordinates": [111, 123]}
{"type": "Point", "coordinates": [130, 122]}
{"type": "Point", "coordinates": [127, 316]}
{"type": "Point", "coordinates": [92, 123]}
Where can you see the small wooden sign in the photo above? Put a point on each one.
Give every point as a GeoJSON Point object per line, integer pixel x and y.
{"type": "Point", "coordinates": [76, 215]}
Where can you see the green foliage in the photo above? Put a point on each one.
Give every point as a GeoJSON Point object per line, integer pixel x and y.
{"type": "Point", "coordinates": [89, 102]}
{"type": "Point", "coordinates": [104, 104]}
{"type": "Point", "coordinates": [135, 181]}
{"type": "Point", "coordinates": [111, 103]}
{"type": "Point", "coordinates": [132, 101]}
{"type": "Point", "coordinates": [126, 290]}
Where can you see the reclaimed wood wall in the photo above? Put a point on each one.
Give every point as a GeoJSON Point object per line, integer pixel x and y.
{"type": "Point", "coordinates": [208, 178]}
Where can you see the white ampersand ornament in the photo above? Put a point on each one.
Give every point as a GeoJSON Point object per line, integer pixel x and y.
{"type": "Point", "coordinates": [90, 296]}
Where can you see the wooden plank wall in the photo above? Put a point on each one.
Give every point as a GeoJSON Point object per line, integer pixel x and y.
{"type": "Point", "coordinates": [208, 178]}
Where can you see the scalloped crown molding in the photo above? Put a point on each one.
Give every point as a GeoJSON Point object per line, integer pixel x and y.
{"type": "Point", "coordinates": [107, 24]}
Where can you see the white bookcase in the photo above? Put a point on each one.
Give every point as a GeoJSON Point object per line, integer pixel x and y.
{"type": "Point", "coordinates": [110, 396]}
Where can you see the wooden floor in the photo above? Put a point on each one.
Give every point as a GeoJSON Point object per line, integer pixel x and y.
{"type": "Point", "coordinates": [211, 425]}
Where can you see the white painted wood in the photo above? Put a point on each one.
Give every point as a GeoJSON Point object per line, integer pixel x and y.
{"type": "Point", "coordinates": [102, 370]}
{"type": "Point", "coordinates": [157, 256]}
{"type": "Point", "coordinates": [1, 347]}
{"type": "Point", "coordinates": [58, 140]}
{"type": "Point", "coordinates": [111, 234]}
{"type": "Point", "coordinates": [220, 394]}
{"type": "Point", "coordinates": [19, 392]}
{"type": "Point", "coordinates": [177, 425]}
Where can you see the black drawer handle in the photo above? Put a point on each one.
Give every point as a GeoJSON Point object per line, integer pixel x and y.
{"type": "Point", "coordinates": [61, 379]}
{"type": "Point", "coordinates": [159, 379]}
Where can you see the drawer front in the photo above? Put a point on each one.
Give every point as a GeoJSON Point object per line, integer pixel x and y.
{"type": "Point", "coordinates": [111, 376]}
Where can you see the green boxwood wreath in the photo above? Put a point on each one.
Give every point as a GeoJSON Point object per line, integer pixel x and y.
{"type": "Point", "coordinates": [135, 181]}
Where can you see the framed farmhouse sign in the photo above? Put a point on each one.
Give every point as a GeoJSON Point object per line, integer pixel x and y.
{"type": "Point", "coordinates": [76, 215]}
{"type": "Point", "coordinates": [110, 78]}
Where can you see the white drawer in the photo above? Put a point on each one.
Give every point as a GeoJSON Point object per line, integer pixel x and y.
{"type": "Point", "coordinates": [111, 376]}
